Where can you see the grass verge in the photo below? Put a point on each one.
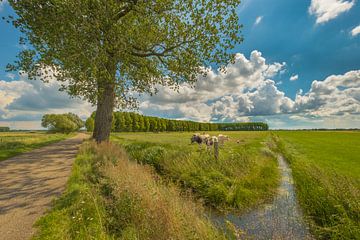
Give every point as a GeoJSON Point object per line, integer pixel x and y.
{"type": "Point", "coordinates": [327, 188]}
{"type": "Point", "coordinates": [245, 175]}
{"type": "Point", "coordinates": [14, 143]}
{"type": "Point", "coordinates": [109, 197]}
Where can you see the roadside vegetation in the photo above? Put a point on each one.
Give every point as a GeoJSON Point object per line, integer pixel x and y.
{"type": "Point", "coordinates": [326, 172]}
{"type": "Point", "coordinates": [244, 176]}
{"type": "Point", "coordinates": [14, 143]}
{"type": "Point", "coordinates": [110, 197]}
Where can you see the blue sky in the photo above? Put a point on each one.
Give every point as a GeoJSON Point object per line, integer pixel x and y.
{"type": "Point", "coordinates": [302, 40]}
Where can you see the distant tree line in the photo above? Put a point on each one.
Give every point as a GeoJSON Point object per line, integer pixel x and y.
{"type": "Point", "coordinates": [62, 123]}
{"type": "Point", "coordinates": [133, 122]}
{"type": "Point", "coordinates": [4, 129]}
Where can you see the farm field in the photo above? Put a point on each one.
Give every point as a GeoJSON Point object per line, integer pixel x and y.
{"type": "Point", "coordinates": [168, 181]}
{"type": "Point", "coordinates": [326, 171]}
{"type": "Point", "coordinates": [245, 175]}
{"type": "Point", "coordinates": [14, 143]}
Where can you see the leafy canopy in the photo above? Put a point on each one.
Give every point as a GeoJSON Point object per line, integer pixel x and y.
{"type": "Point", "coordinates": [64, 123]}
{"type": "Point", "coordinates": [131, 44]}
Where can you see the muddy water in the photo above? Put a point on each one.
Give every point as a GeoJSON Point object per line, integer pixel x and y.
{"type": "Point", "coordinates": [282, 219]}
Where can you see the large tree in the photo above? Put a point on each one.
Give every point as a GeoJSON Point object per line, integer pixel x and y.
{"type": "Point", "coordinates": [105, 50]}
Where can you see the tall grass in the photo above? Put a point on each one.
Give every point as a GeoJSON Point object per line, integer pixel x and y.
{"type": "Point", "coordinates": [329, 198]}
{"type": "Point", "coordinates": [245, 175]}
{"type": "Point", "coordinates": [109, 197]}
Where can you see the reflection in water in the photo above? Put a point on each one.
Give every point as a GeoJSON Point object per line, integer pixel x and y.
{"type": "Point", "coordinates": [282, 219]}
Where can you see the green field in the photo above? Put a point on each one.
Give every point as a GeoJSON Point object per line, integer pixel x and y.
{"type": "Point", "coordinates": [160, 193]}
{"type": "Point", "coordinates": [244, 176]}
{"type": "Point", "coordinates": [14, 143]}
{"type": "Point", "coordinates": [326, 171]}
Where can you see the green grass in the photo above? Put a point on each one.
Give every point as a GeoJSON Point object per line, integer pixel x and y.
{"type": "Point", "coordinates": [326, 171]}
{"type": "Point", "coordinates": [245, 175]}
{"type": "Point", "coordinates": [110, 197]}
{"type": "Point", "coordinates": [14, 143]}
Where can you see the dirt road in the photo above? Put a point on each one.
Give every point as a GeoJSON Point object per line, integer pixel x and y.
{"type": "Point", "coordinates": [28, 184]}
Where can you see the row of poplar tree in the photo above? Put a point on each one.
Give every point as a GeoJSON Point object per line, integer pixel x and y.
{"type": "Point", "coordinates": [134, 122]}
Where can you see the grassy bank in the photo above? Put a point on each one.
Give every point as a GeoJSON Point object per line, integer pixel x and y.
{"type": "Point", "coordinates": [14, 143]}
{"type": "Point", "coordinates": [110, 197]}
{"type": "Point", "coordinates": [326, 170]}
{"type": "Point", "coordinates": [244, 176]}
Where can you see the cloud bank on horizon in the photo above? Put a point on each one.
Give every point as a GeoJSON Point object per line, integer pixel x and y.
{"type": "Point", "coordinates": [245, 91]}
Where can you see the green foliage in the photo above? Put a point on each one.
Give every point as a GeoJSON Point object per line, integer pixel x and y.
{"type": "Point", "coordinates": [14, 143]}
{"type": "Point", "coordinates": [63, 123]}
{"type": "Point", "coordinates": [133, 122]}
{"type": "Point", "coordinates": [326, 174]}
{"type": "Point", "coordinates": [124, 44]}
{"type": "Point", "coordinates": [4, 129]}
{"type": "Point", "coordinates": [242, 178]}
{"type": "Point", "coordinates": [89, 124]}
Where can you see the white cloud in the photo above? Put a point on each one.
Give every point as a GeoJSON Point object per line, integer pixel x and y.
{"type": "Point", "coordinates": [258, 20]}
{"type": "Point", "coordinates": [355, 31]}
{"type": "Point", "coordinates": [337, 95]}
{"type": "Point", "coordinates": [294, 77]}
{"type": "Point", "coordinates": [326, 10]}
{"type": "Point", "coordinates": [242, 90]}
{"type": "Point", "coordinates": [245, 91]}
{"type": "Point", "coordinates": [25, 100]}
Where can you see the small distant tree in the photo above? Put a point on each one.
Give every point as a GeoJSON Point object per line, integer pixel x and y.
{"type": "Point", "coordinates": [63, 123]}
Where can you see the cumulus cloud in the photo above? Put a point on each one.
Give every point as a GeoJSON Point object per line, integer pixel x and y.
{"type": "Point", "coordinates": [355, 31]}
{"type": "Point", "coordinates": [336, 95]}
{"type": "Point", "coordinates": [294, 77]}
{"type": "Point", "coordinates": [258, 20]}
{"type": "Point", "coordinates": [245, 91]}
{"type": "Point", "coordinates": [24, 100]}
{"type": "Point", "coordinates": [326, 10]}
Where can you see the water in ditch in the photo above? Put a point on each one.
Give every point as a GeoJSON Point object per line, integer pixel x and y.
{"type": "Point", "coordinates": [282, 219]}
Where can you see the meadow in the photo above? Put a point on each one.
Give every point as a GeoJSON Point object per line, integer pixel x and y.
{"type": "Point", "coordinates": [326, 171]}
{"type": "Point", "coordinates": [14, 143]}
{"type": "Point", "coordinates": [159, 186]}
{"type": "Point", "coordinates": [244, 176]}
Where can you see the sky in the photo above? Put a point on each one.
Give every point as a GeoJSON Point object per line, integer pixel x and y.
{"type": "Point", "coordinates": [298, 67]}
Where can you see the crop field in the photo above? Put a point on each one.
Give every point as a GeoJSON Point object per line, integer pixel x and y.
{"type": "Point", "coordinates": [244, 176]}
{"type": "Point", "coordinates": [13, 143]}
{"type": "Point", "coordinates": [326, 171]}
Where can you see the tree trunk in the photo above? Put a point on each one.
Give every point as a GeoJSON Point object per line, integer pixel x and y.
{"type": "Point", "coordinates": [104, 113]}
